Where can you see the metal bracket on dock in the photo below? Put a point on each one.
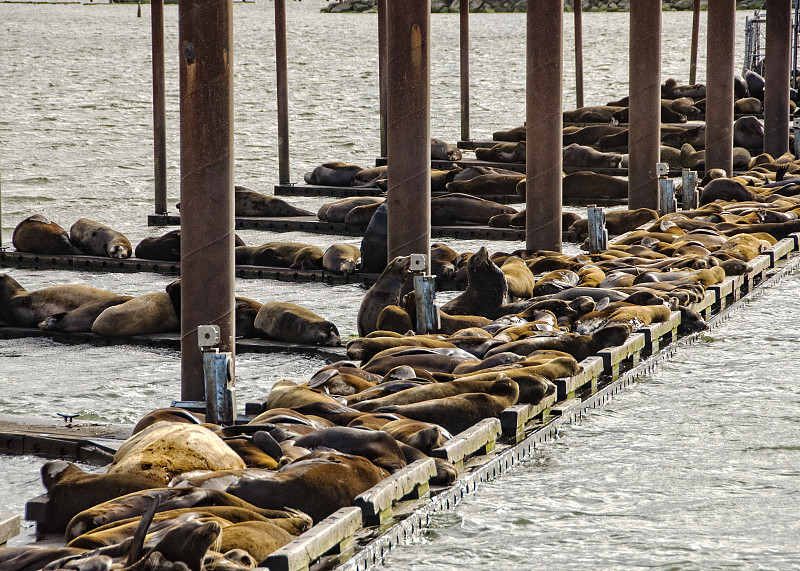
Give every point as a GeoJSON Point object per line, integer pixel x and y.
{"type": "Point", "coordinates": [598, 235]}
{"type": "Point", "coordinates": [411, 482]}
{"type": "Point", "coordinates": [689, 194]}
{"type": "Point", "coordinates": [219, 377]}
{"type": "Point", "coordinates": [667, 204]}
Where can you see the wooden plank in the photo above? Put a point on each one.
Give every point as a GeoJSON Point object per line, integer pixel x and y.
{"type": "Point", "coordinates": [614, 356]}
{"type": "Point", "coordinates": [322, 190]}
{"type": "Point", "coordinates": [332, 532]}
{"type": "Point", "coordinates": [796, 237]}
{"type": "Point", "coordinates": [564, 407]}
{"type": "Point", "coordinates": [172, 341]}
{"type": "Point", "coordinates": [706, 305]}
{"type": "Point", "coordinates": [591, 369]}
{"type": "Point", "coordinates": [9, 527]}
{"type": "Point", "coordinates": [780, 249]}
{"type": "Point", "coordinates": [514, 419]}
{"type": "Point", "coordinates": [376, 503]}
{"type": "Point", "coordinates": [478, 439]}
{"type": "Point", "coordinates": [654, 332]}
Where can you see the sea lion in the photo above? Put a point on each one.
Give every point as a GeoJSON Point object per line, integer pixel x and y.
{"type": "Point", "coordinates": [486, 288]}
{"type": "Point", "coordinates": [431, 359]}
{"type": "Point", "coordinates": [317, 484]}
{"type": "Point", "coordinates": [168, 414]}
{"type": "Point", "coordinates": [338, 210]}
{"type": "Point", "coordinates": [286, 394]}
{"type": "Point", "coordinates": [373, 244]}
{"type": "Point", "coordinates": [22, 308]}
{"type": "Point", "coordinates": [519, 278]}
{"type": "Point", "coordinates": [692, 159]}
{"type": "Point", "coordinates": [619, 221]}
{"type": "Point", "coordinates": [460, 412]}
{"type": "Point", "coordinates": [726, 189]}
{"type": "Point", "coordinates": [163, 450]}
{"type": "Point", "coordinates": [377, 446]}
{"type": "Point", "coordinates": [332, 174]}
{"type": "Point", "coordinates": [457, 209]}
{"type": "Point", "coordinates": [165, 248]}
{"type": "Point", "coordinates": [385, 291]}
{"type": "Point", "coordinates": [248, 202]}
{"type": "Point", "coordinates": [257, 538]}
{"type": "Point", "coordinates": [579, 346]}
{"type": "Point", "coordinates": [292, 255]}
{"type": "Point", "coordinates": [487, 184]}
{"type": "Point", "coordinates": [590, 134]}
{"type": "Point", "coordinates": [576, 155]}
{"type": "Point", "coordinates": [341, 259]}
{"type": "Point", "coordinates": [587, 185]}
{"type": "Point", "coordinates": [596, 114]}
{"type": "Point", "coordinates": [502, 153]}
{"type": "Point", "coordinates": [695, 136]}
{"type": "Point", "coordinates": [423, 436]}
{"type": "Point", "coordinates": [99, 240]}
{"type": "Point", "coordinates": [365, 348]}
{"type": "Point", "coordinates": [371, 178]}
{"type": "Point", "coordinates": [748, 132]}
{"type": "Point", "coordinates": [755, 84]}
{"type": "Point", "coordinates": [39, 235]}
{"type": "Point", "coordinates": [512, 135]}
{"type": "Point", "coordinates": [443, 151]}
{"type": "Point", "coordinates": [292, 323]}
{"type": "Point", "coordinates": [143, 315]}
{"type": "Point", "coordinates": [71, 490]}
{"type": "Point", "coordinates": [747, 105]}
{"type": "Point", "coordinates": [81, 318]}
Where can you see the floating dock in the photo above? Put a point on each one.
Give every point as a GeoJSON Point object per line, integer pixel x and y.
{"type": "Point", "coordinates": [313, 225]}
{"type": "Point", "coordinates": [357, 537]}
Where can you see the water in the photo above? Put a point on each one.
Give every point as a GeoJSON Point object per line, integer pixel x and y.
{"type": "Point", "coordinates": [694, 467]}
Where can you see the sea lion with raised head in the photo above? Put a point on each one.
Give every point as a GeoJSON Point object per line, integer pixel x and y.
{"type": "Point", "coordinates": [385, 291]}
{"type": "Point", "coordinates": [486, 288]}
{"type": "Point", "coordinates": [99, 240]}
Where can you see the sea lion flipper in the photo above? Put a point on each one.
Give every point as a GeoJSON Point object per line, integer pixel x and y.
{"type": "Point", "coordinates": [137, 545]}
{"type": "Point", "coordinates": [267, 443]}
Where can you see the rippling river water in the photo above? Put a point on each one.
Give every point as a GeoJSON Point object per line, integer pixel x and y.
{"type": "Point", "coordinates": [694, 467]}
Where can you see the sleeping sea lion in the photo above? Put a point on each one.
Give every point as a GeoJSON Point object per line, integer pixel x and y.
{"type": "Point", "coordinates": [292, 323]}
{"type": "Point", "coordinates": [39, 235]}
{"type": "Point", "coordinates": [99, 240]}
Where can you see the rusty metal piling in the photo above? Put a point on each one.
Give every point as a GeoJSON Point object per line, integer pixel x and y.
{"type": "Point", "coordinates": [159, 107]}
{"type": "Point", "coordinates": [382, 72]}
{"type": "Point", "coordinates": [644, 129]}
{"type": "Point", "coordinates": [463, 28]}
{"type": "Point", "coordinates": [206, 144]}
{"type": "Point", "coordinates": [544, 137]}
{"type": "Point", "coordinates": [776, 77]}
{"type": "Point", "coordinates": [281, 70]}
{"type": "Point", "coordinates": [578, 14]}
{"type": "Point", "coordinates": [721, 30]}
{"type": "Point", "coordinates": [408, 128]}
{"type": "Point", "coordinates": [695, 42]}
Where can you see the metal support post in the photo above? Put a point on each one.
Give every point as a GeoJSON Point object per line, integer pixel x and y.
{"type": "Point", "coordinates": [721, 37]}
{"type": "Point", "coordinates": [281, 69]}
{"type": "Point", "coordinates": [689, 196]}
{"type": "Point", "coordinates": [206, 125]}
{"type": "Point", "coordinates": [776, 77]}
{"type": "Point", "coordinates": [544, 139]}
{"type": "Point", "coordinates": [219, 377]}
{"type": "Point", "coordinates": [578, 11]}
{"type": "Point", "coordinates": [598, 234]}
{"type": "Point", "coordinates": [424, 295]}
{"type": "Point", "coordinates": [667, 203]}
{"type": "Point", "coordinates": [464, 45]}
{"type": "Point", "coordinates": [159, 107]}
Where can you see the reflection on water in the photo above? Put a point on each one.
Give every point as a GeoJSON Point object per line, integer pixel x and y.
{"type": "Point", "coordinates": [694, 467]}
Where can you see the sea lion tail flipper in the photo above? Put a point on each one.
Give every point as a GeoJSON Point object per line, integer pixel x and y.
{"type": "Point", "coordinates": [267, 443]}
{"type": "Point", "coordinates": [781, 172]}
{"type": "Point", "coordinates": [137, 545]}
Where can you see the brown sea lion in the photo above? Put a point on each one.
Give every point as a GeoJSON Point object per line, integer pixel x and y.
{"type": "Point", "coordinates": [487, 184]}
{"type": "Point", "coordinates": [443, 151]}
{"type": "Point", "coordinates": [502, 153]}
{"type": "Point", "coordinates": [81, 318]}
{"type": "Point", "coordinates": [364, 348]}
{"type": "Point", "coordinates": [748, 132]}
{"type": "Point", "coordinates": [284, 321]}
{"type": "Point", "coordinates": [99, 240]}
{"type": "Point", "coordinates": [486, 288]}
{"type": "Point", "coordinates": [248, 202]}
{"type": "Point", "coordinates": [423, 436]}
{"type": "Point", "coordinates": [165, 449]}
{"type": "Point", "coordinates": [286, 394]}
{"type": "Point", "coordinates": [576, 155]}
{"type": "Point", "coordinates": [361, 215]}
{"type": "Point", "coordinates": [371, 178]}
{"type": "Point", "coordinates": [39, 235]}
{"type": "Point", "coordinates": [619, 221]}
{"type": "Point", "coordinates": [726, 189]}
{"type": "Point", "coordinates": [292, 255]}
{"type": "Point", "coordinates": [377, 446]}
{"type": "Point", "coordinates": [71, 490]}
{"type": "Point", "coordinates": [22, 308]}
{"type": "Point", "coordinates": [332, 174]}
{"type": "Point", "coordinates": [258, 538]}
{"type": "Point", "coordinates": [341, 259]}
{"type": "Point", "coordinates": [317, 484]}
{"type": "Point", "coordinates": [596, 114]}
{"type": "Point", "coordinates": [586, 185]}
{"type": "Point", "coordinates": [385, 291]}
{"type": "Point", "coordinates": [165, 248]}
{"type": "Point", "coordinates": [747, 105]}
{"type": "Point", "coordinates": [143, 315]}
{"type": "Point", "coordinates": [458, 413]}
{"type": "Point", "coordinates": [591, 134]}
{"type": "Point", "coordinates": [169, 414]}
{"type": "Point", "coordinates": [511, 135]}
{"type": "Point", "coordinates": [457, 209]}
{"type": "Point", "coordinates": [338, 210]}
{"type": "Point", "coordinates": [519, 278]}
{"type": "Point", "coordinates": [579, 346]}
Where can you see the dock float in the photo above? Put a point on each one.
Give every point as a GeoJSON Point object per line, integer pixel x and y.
{"type": "Point", "coordinates": [9, 527]}
{"type": "Point", "coordinates": [14, 259]}
{"type": "Point", "coordinates": [173, 341]}
{"type": "Point", "coordinates": [313, 225]}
